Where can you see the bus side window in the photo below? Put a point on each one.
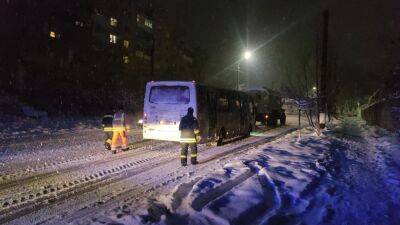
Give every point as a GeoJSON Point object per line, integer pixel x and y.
{"type": "Point", "coordinates": [223, 104]}
{"type": "Point", "coordinates": [246, 105]}
{"type": "Point", "coordinates": [238, 105]}
{"type": "Point", "coordinates": [231, 103]}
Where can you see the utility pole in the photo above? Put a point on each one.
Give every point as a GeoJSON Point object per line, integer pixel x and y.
{"type": "Point", "coordinates": [322, 106]}
{"type": "Point", "coordinates": [237, 76]}
{"type": "Point", "coordinates": [299, 127]}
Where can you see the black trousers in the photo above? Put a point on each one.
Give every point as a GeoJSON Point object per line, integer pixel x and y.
{"type": "Point", "coordinates": [193, 152]}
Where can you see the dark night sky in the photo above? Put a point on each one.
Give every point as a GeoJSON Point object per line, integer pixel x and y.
{"type": "Point", "coordinates": [360, 35]}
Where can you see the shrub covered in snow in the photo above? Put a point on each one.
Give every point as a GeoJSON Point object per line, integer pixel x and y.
{"type": "Point", "coordinates": [348, 128]}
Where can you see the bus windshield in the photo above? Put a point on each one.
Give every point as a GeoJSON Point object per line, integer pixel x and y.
{"type": "Point", "coordinates": [169, 95]}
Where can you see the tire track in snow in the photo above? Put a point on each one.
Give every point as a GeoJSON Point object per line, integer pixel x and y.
{"type": "Point", "coordinates": [220, 191]}
{"type": "Point", "coordinates": [88, 187]}
{"type": "Point", "coordinates": [53, 192]}
{"type": "Point", "coordinates": [53, 163]}
{"type": "Point", "coordinates": [55, 167]}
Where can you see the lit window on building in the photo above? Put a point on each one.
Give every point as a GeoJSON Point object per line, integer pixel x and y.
{"type": "Point", "coordinates": [79, 23]}
{"type": "Point", "coordinates": [139, 18]}
{"type": "Point", "coordinates": [113, 22]}
{"type": "Point", "coordinates": [143, 21]}
{"type": "Point", "coordinates": [125, 58]}
{"type": "Point", "coordinates": [52, 34]}
{"type": "Point", "coordinates": [148, 23]}
{"type": "Point", "coordinates": [113, 39]}
{"type": "Point", "coordinates": [126, 43]}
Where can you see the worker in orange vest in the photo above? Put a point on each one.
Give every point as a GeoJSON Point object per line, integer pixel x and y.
{"type": "Point", "coordinates": [119, 131]}
{"type": "Point", "coordinates": [107, 124]}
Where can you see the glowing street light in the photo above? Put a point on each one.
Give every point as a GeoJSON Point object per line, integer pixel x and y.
{"type": "Point", "coordinates": [246, 56]}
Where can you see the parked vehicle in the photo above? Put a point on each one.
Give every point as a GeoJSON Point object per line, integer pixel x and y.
{"type": "Point", "coordinates": [221, 113]}
{"type": "Point", "coordinates": [268, 107]}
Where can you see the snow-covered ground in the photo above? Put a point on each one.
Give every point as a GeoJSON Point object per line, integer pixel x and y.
{"type": "Point", "coordinates": [27, 143]}
{"type": "Point", "coordinates": [319, 180]}
{"type": "Point", "coordinates": [345, 176]}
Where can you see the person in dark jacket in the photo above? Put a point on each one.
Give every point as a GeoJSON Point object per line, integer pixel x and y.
{"type": "Point", "coordinates": [189, 128]}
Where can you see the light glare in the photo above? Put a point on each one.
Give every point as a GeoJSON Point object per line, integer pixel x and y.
{"type": "Point", "coordinates": [247, 55]}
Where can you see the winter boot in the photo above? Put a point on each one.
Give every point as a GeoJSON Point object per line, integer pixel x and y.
{"type": "Point", "coordinates": [193, 160]}
{"type": "Point", "coordinates": [183, 162]}
{"type": "Point", "coordinates": [107, 146]}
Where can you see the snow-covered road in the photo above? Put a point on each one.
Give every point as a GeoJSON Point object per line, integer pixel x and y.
{"type": "Point", "coordinates": [269, 178]}
{"type": "Point", "coordinates": [73, 165]}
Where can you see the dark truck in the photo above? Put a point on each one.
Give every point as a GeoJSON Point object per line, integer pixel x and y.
{"type": "Point", "coordinates": [268, 107]}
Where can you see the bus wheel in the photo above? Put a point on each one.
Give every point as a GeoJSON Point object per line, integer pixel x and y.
{"type": "Point", "coordinates": [249, 131]}
{"type": "Point", "coordinates": [221, 137]}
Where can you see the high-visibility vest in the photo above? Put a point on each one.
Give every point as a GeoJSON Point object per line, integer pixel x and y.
{"type": "Point", "coordinates": [119, 121]}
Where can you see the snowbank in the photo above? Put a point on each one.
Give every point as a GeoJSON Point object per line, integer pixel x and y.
{"type": "Point", "coordinates": [252, 188]}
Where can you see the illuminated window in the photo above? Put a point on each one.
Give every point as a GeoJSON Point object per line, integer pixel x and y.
{"type": "Point", "coordinates": [143, 21]}
{"type": "Point", "coordinates": [139, 18]}
{"type": "Point", "coordinates": [52, 34]}
{"type": "Point", "coordinates": [126, 43]}
{"type": "Point", "coordinates": [79, 23]}
{"type": "Point", "coordinates": [113, 22]}
{"type": "Point", "coordinates": [113, 39]}
{"type": "Point", "coordinates": [148, 23]}
{"type": "Point", "coordinates": [125, 58]}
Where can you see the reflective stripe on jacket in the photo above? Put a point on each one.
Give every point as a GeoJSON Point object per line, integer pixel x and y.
{"type": "Point", "coordinates": [187, 140]}
{"type": "Point", "coordinates": [111, 129]}
{"type": "Point", "coordinates": [119, 121]}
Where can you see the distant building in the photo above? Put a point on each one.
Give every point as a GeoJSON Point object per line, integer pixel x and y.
{"type": "Point", "coordinates": [56, 32]}
{"type": "Point", "coordinates": [66, 47]}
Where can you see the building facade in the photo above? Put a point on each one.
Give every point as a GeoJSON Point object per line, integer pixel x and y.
{"type": "Point", "coordinates": [75, 53]}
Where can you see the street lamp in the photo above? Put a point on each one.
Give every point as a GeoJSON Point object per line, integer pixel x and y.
{"type": "Point", "coordinates": [246, 56]}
